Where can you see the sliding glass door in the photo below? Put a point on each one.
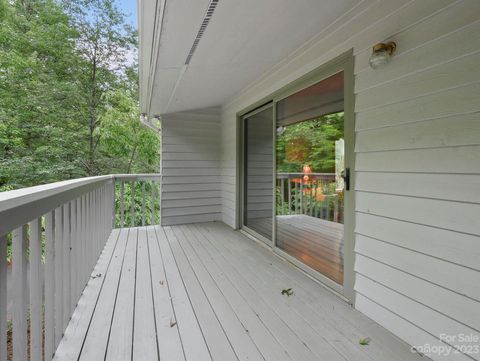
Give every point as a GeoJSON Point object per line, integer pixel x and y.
{"type": "Point", "coordinates": [297, 155]}
{"type": "Point", "coordinates": [310, 159]}
{"type": "Point", "coordinates": [258, 171]}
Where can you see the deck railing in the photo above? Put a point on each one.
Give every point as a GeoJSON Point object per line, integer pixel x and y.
{"type": "Point", "coordinates": [309, 194]}
{"type": "Point", "coordinates": [137, 202]}
{"type": "Point", "coordinates": [56, 233]}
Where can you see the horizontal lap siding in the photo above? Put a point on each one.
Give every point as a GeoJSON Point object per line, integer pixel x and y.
{"type": "Point", "coordinates": [229, 148]}
{"type": "Point", "coordinates": [417, 161]}
{"type": "Point", "coordinates": [417, 180]}
{"type": "Point", "coordinates": [191, 174]}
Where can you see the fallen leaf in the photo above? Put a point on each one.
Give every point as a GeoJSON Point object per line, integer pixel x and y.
{"type": "Point", "coordinates": [172, 323]}
{"type": "Point", "coordinates": [364, 341]}
{"type": "Point", "coordinates": [287, 291]}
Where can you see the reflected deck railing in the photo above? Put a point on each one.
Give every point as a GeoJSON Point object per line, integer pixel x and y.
{"type": "Point", "coordinates": [60, 229]}
{"type": "Point", "coordinates": [309, 194]}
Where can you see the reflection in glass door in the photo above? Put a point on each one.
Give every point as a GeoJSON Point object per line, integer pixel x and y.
{"type": "Point", "coordinates": [310, 152]}
{"type": "Point", "coordinates": [258, 171]}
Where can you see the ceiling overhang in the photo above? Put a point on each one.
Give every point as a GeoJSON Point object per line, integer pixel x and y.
{"type": "Point", "coordinates": [198, 54]}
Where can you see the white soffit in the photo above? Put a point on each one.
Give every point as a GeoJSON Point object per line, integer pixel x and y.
{"type": "Point", "coordinates": [242, 41]}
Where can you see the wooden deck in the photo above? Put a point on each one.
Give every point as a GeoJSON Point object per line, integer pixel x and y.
{"type": "Point", "coordinates": [205, 292]}
{"type": "Point", "coordinates": [316, 242]}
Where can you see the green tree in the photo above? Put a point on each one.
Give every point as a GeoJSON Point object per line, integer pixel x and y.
{"type": "Point", "coordinates": [104, 41]}
{"type": "Point", "coordinates": [310, 143]}
{"type": "Point", "coordinates": [38, 92]}
{"type": "Point", "coordinates": [126, 145]}
{"type": "Point", "coordinates": [68, 93]}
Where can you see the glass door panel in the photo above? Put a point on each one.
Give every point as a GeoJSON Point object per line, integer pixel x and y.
{"type": "Point", "coordinates": [258, 172]}
{"type": "Point", "coordinates": [310, 158]}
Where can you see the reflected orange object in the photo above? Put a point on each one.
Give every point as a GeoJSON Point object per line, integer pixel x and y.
{"type": "Point", "coordinates": [307, 179]}
{"type": "Point", "coordinates": [306, 170]}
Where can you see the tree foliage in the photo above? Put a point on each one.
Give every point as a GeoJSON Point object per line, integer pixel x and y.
{"type": "Point", "coordinates": [104, 40]}
{"type": "Point", "coordinates": [68, 93]}
{"type": "Point", "coordinates": [309, 143]}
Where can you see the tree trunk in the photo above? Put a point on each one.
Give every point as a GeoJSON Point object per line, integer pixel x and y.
{"type": "Point", "coordinates": [93, 117]}
{"type": "Point", "coordinates": [91, 149]}
{"type": "Point", "coordinates": [131, 160]}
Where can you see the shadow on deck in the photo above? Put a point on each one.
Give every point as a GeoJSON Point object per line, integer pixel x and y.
{"type": "Point", "coordinates": [205, 292]}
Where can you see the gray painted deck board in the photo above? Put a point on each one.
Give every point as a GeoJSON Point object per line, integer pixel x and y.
{"type": "Point", "coordinates": [206, 292]}
{"type": "Point", "coordinates": [121, 330]}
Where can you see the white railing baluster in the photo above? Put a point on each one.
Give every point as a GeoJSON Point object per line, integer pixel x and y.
{"type": "Point", "coordinates": [109, 212]}
{"type": "Point", "coordinates": [81, 237]}
{"type": "Point", "coordinates": [122, 204]}
{"type": "Point", "coordinates": [105, 209]}
{"type": "Point", "coordinates": [311, 200]}
{"type": "Point", "coordinates": [111, 205]}
{"type": "Point", "coordinates": [88, 240]}
{"type": "Point", "coordinates": [49, 285]}
{"type": "Point", "coordinates": [335, 208]}
{"type": "Point", "coordinates": [88, 243]}
{"type": "Point", "coordinates": [78, 256]}
{"type": "Point", "coordinates": [101, 220]}
{"type": "Point", "coordinates": [19, 282]}
{"type": "Point", "coordinates": [96, 221]}
{"type": "Point", "coordinates": [296, 198]}
{"type": "Point", "coordinates": [35, 290]}
{"type": "Point", "coordinates": [87, 237]}
{"type": "Point", "coordinates": [328, 207]}
{"type": "Point", "coordinates": [94, 225]}
{"type": "Point", "coordinates": [110, 209]}
{"type": "Point", "coordinates": [152, 208]}
{"type": "Point", "coordinates": [73, 254]}
{"type": "Point", "coordinates": [133, 204]}
{"type": "Point", "coordinates": [92, 231]}
{"type": "Point", "coordinates": [301, 195]}
{"type": "Point", "coordinates": [3, 298]}
{"type": "Point", "coordinates": [58, 274]}
{"type": "Point", "coordinates": [289, 196]}
{"type": "Point", "coordinates": [66, 266]}
{"type": "Point", "coordinates": [99, 229]}
{"type": "Point", "coordinates": [78, 221]}
{"type": "Point", "coordinates": [99, 226]}
{"type": "Point", "coordinates": [282, 194]}
{"type": "Point", "coordinates": [73, 251]}
{"type": "Point", "coordinates": [84, 241]}
{"type": "Point", "coordinates": [143, 203]}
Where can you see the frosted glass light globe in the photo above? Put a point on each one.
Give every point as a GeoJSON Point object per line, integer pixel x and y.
{"type": "Point", "coordinates": [379, 59]}
{"type": "Point", "coordinates": [381, 54]}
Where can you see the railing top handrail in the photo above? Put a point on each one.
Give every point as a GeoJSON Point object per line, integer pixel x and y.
{"type": "Point", "coordinates": [298, 174]}
{"type": "Point", "coordinates": [141, 176]}
{"type": "Point", "coordinates": [46, 189]}
{"type": "Point", "coordinates": [17, 207]}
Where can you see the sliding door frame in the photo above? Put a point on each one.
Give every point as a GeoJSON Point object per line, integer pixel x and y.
{"type": "Point", "coordinates": [343, 63]}
{"type": "Point", "coordinates": [243, 174]}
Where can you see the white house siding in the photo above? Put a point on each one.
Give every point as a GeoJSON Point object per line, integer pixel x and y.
{"type": "Point", "coordinates": [229, 194]}
{"type": "Point", "coordinates": [417, 173]}
{"type": "Point", "coordinates": [191, 179]}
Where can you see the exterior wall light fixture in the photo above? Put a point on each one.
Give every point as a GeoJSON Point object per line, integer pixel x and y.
{"type": "Point", "coordinates": [382, 52]}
